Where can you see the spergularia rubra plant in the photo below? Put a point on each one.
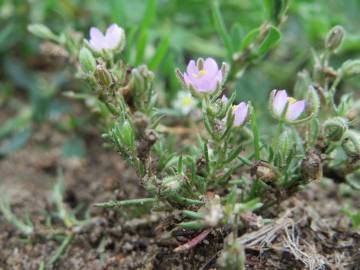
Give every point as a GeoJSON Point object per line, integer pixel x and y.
{"type": "Point", "coordinates": [216, 167]}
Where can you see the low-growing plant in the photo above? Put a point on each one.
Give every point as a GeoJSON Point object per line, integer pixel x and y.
{"type": "Point", "coordinates": [206, 157]}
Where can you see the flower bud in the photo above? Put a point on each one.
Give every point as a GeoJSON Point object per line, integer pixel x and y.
{"type": "Point", "coordinates": [87, 61]}
{"type": "Point", "coordinates": [128, 136]}
{"type": "Point", "coordinates": [351, 143]}
{"type": "Point", "coordinates": [351, 67]}
{"type": "Point", "coordinates": [313, 100]}
{"type": "Point", "coordinates": [171, 185]}
{"type": "Point", "coordinates": [141, 122]}
{"type": "Point", "coordinates": [311, 166]}
{"type": "Point", "coordinates": [233, 255]}
{"type": "Point", "coordinates": [103, 76]}
{"type": "Point", "coordinates": [353, 115]}
{"type": "Point", "coordinates": [302, 83]}
{"type": "Point", "coordinates": [213, 212]}
{"type": "Point", "coordinates": [42, 31]}
{"type": "Point", "coordinates": [334, 128]}
{"type": "Point", "coordinates": [142, 78]}
{"type": "Point", "coordinates": [334, 38]}
{"type": "Point", "coordinates": [263, 171]}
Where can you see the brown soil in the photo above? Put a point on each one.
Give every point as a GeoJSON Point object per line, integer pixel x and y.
{"type": "Point", "coordinates": [313, 234]}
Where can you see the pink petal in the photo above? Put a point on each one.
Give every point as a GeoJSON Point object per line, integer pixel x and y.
{"type": "Point", "coordinates": [205, 85]}
{"type": "Point", "coordinates": [192, 68]}
{"type": "Point", "coordinates": [97, 39]}
{"type": "Point", "coordinates": [113, 36]}
{"type": "Point", "coordinates": [211, 66]}
{"type": "Point", "coordinates": [279, 102]}
{"type": "Point", "coordinates": [187, 78]}
{"type": "Point", "coordinates": [240, 114]}
{"type": "Point", "coordinates": [295, 110]}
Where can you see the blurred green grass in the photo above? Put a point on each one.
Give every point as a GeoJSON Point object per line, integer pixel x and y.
{"type": "Point", "coordinates": [185, 29]}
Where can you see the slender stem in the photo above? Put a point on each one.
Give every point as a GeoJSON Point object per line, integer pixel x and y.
{"type": "Point", "coordinates": [117, 204]}
{"type": "Point", "coordinates": [59, 252]}
{"type": "Point", "coordinates": [256, 135]}
{"type": "Point", "coordinates": [277, 134]}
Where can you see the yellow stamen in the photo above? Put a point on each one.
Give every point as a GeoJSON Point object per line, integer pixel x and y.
{"type": "Point", "coordinates": [202, 73]}
{"type": "Point", "coordinates": [187, 101]}
{"type": "Point", "coordinates": [291, 100]}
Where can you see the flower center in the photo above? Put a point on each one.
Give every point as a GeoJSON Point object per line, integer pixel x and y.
{"type": "Point", "coordinates": [202, 72]}
{"type": "Point", "coordinates": [187, 101]}
{"type": "Point", "coordinates": [291, 100]}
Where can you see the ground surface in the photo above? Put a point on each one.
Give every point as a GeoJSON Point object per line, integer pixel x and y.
{"type": "Point", "coordinates": [308, 232]}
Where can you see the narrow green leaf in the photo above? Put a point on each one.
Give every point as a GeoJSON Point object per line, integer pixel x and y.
{"type": "Point", "coordinates": [140, 47]}
{"type": "Point", "coordinates": [194, 225]}
{"type": "Point", "coordinates": [16, 142]}
{"type": "Point", "coordinates": [117, 204]}
{"type": "Point", "coordinates": [255, 131]}
{"type": "Point", "coordinates": [249, 38]}
{"type": "Point", "coordinates": [221, 28]}
{"type": "Point", "coordinates": [272, 38]}
{"type": "Point", "coordinates": [160, 54]}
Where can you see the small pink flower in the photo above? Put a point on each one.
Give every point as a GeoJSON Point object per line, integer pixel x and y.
{"type": "Point", "coordinates": [294, 107]}
{"type": "Point", "coordinates": [203, 77]}
{"type": "Point", "coordinates": [113, 38]}
{"type": "Point", "coordinates": [240, 112]}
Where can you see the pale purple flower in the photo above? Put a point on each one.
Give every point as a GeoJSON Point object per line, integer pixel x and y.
{"type": "Point", "coordinates": [113, 38]}
{"type": "Point", "coordinates": [203, 77]}
{"type": "Point", "coordinates": [240, 111]}
{"type": "Point", "coordinates": [294, 107]}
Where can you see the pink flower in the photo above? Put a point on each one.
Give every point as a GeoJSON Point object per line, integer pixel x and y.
{"type": "Point", "coordinates": [240, 112]}
{"type": "Point", "coordinates": [294, 107]}
{"type": "Point", "coordinates": [114, 38]}
{"type": "Point", "coordinates": [203, 77]}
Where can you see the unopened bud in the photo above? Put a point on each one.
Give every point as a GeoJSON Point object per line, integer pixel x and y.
{"type": "Point", "coordinates": [142, 78]}
{"type": "Point", "coordinates": [87, 61]}
{"type": "Point", "coordinates": [213, 212]}
{"type": "Point", "coordinates": [351, 67]}
{"type": "Point", "coordinates": [103, 76]}
{"type": "Point", "coordinates": [313, 100]}
{"type": "Point", "coordinates": [42, 31]}
{"type": "Point", "coordinates": [233, 255]}
{"type": "Point", "coordinates": [334, 128]}
{"type": "Point", "coordinates": [141, 122]}
{"type": "Point", "coordinates": [263, 171]}
{"type": "Point", "coordinates": [128, 134]}
{"type": "Point", "coordinates": [302, 83]}
{"type": "Point", "coordinates": [351, 143]}
{"type": "Point", "coordinates": [311, 166]}
{"type": "Point", "coordinates": [334, 38]}
{"type": "Point", "coordinates": [171, 185]}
